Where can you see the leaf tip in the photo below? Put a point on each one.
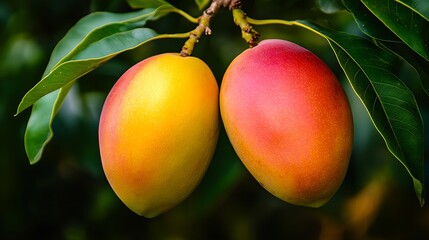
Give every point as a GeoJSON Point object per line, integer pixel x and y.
{"type": "Point", "coordinates": [21, 107]}
{"type": "Point", "coordinates": [33, 158]}
{"type": "Point", "coordinates": [33, 161]}
{"type": "Point", "coordinates": [422, 202]}
{"type": "Point", "coordinates": [420, 191]}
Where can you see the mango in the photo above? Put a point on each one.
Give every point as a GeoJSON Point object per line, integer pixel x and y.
{"type": "Point", "coordinates": [158, 131]}
{"type": "Point", "coordinates": [288, 120]}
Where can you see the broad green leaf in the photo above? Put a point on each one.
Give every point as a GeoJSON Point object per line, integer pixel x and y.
{"type": "Point", "coordinates": [39, 131]}
{"type": "Point", "coordinates": [90, 30]}
{"type": "Point", "coordinates": [98, 25]}
{"type": "Point", "coordinates": [416, 61]}
{"type": "Point", "coordinates": [86, 46]}
{"type": "Point", "coordinates": [410, 27]}
{"type": "Point", "coordinates": [85, 61]}
{"type": "Point", "coordinates": [202, 3]}
{"type": "Point", "coordinates": [147, 3]}
{"type": "Point", "coordinates": [374, 28]}
{"type": "Point", "coordinates": [367, 22]}
{"type": "Point", "coordinates": [390, 104]}
{"type": "Point", "coordinates": [421, 7]}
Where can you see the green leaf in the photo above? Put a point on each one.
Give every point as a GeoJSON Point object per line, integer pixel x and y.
{"type": "Point", "coordinates": [83, 63]}
{"type": "Point", "coordinates": [67, 63]}
{"type": "Point", "coordinates": [92, 41]}
{"type": "Point", "coordinates": [65, 74]}
{"type": "Point", "coordinates": [421, 7]}
{"type": "Point", "coordinates": [147, 3]}
{"type": "Point", "coordinates": [39, 131]}
{"type": "Point", "coordinates": [390, 104]}
{"type": "Point", "coordinates": [92, 28]}
{"type": "Point", "coordinates": [410, 27]}
{"type": "Point", "coordinates": [416, 61]}
{"type": "Point", "coordinates": [367, 22]}
{"type": "Point", "coordinates": [202, 3]}
{"type": "Point", "coordinates": [373, 27]}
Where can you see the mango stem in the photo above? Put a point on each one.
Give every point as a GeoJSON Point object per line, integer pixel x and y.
{"type": "Point", "coordinates": [203, 27]}
{"type": "Point", "coordinates": [249, 34]}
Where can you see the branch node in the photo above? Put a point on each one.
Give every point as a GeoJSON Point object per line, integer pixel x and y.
{"type": "Point", "coordinates": [208, 31]}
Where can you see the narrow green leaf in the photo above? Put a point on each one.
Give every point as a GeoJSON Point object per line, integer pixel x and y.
{"type": "Point", "coordinates": [410, 27]}
{"type": "Point", "coordinates": [147, 3]}
{"type": "Point", "coordinates": [421, 7]}
{"type": "Point", "coordinates": [390, 104]}
{"type": "Point", "coordinates": [39, 131]}
{"type": "Point", "coordinates": [367, 22]}
{"type": "Point", "coordinates": [202, 3]}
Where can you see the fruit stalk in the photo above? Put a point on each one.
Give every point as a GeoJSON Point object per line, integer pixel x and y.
{"type": "Point", "coordinates": [203, 27]}
{"type": "Point", "coordinates": [240, 19]}
{"type": "Point", "coordinates": [249, 34]}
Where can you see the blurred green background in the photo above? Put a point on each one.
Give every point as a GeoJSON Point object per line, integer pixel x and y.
{"type": "Point", "coordinates": [66, 195]}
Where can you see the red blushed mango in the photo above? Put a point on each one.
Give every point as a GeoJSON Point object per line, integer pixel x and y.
{"type": "Point", "coordinates": [158, 131]}
{"type": "Point", "coordinates": [288, 120]}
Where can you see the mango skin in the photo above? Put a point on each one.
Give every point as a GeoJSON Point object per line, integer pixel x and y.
{"type": "Point", "coordinates": [158, 131]}
{"type": "Point", "coordinates": [288, 120]}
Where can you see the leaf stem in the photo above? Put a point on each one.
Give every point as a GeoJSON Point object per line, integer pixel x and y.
{"type": "Point", "coordinates": [269, 21]}
{"type": "Point", "coordinates": [186, 15]}
{"type": "Point", "coordinates": [284, 22]}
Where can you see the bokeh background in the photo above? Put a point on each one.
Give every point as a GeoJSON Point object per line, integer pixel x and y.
{"type": "Point", "coordinates": [66, 195]}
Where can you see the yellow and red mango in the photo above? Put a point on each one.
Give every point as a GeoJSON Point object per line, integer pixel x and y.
{"type": "Point", "coordinates": [158, 131]}
{"type": "Point", "coordinates": [288, 120]}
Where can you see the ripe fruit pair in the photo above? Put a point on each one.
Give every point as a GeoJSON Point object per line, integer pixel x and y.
{"type": "Point", "coordinates": [285, 114]}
